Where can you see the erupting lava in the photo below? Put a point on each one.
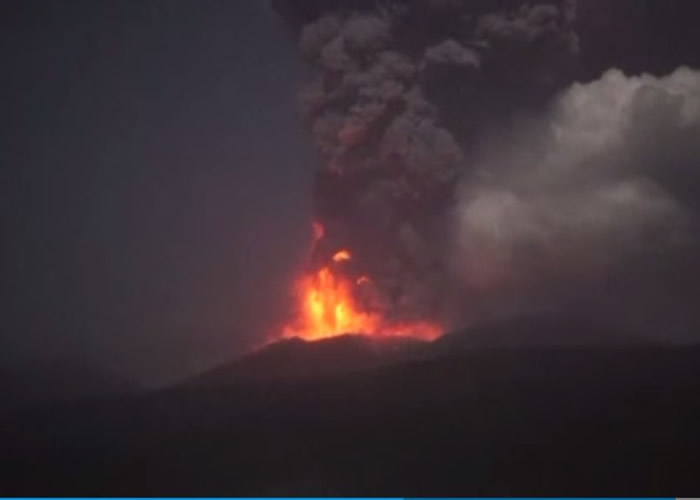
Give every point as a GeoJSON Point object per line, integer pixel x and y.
{"type": "Point", "coordinates": [341, 255]}
{"type": "Point", "coordinates": [327, 306]}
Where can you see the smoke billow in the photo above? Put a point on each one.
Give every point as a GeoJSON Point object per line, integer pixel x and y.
{"type": "Point", "coordinates": [462, 166]}
{"type": "Point", "coordinates": [595, 184]}
{"type": "Point", "coordinates": [386, 77]}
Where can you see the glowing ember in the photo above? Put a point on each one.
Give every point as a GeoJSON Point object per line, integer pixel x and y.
{"type": "Point", "coordinates": [341, 256]}
{"type": "Point", "coordinates": [327, 307]}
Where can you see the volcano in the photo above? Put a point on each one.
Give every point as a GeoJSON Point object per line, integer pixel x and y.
{"type": "Point", "coordinates": [370, 416]}
{"type": "Point", "coordinates": [335, 299]}
{"type": "Point", "coordinates": [297, 358]}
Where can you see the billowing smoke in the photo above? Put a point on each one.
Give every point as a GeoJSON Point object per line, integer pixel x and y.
{"type": "Point", "coordinates": [603, 180]}
{"type": "Point", "coordinates": [385, 103]}
{"type": "Point", "coordinates": [466, 171]}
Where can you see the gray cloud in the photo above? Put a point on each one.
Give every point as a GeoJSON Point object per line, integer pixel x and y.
{"type": "Point", "coordinates": [586, 190]}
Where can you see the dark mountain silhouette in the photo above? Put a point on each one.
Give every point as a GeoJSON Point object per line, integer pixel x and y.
{"type": "Point", "coordinates": [297, 358]}
{"type": "Point", "coordinates": [394, 419]}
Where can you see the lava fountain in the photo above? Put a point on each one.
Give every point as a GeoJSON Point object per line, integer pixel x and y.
{"type": "Point", "coordinates": [327, 305]}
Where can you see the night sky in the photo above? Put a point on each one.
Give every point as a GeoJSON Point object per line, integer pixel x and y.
{"type": "Point", "coordinates": [159, 172]}
{"type": "Point", "coordinates": [154, 181]}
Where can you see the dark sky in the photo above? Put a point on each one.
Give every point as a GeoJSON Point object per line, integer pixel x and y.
{"type": "Point", "coordinates": [154, 181]}
{"type": "Point", "coordinates": [156, 176]}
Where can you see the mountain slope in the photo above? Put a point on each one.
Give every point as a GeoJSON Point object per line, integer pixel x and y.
{"type": "Point", "coordinates": [295, 358]}
{"type": "Point", "coordinates": [533, 422]}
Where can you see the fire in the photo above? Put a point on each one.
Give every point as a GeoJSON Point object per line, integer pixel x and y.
{"type": "Point", "coordinates": [341, 255]}
{"type": "Point", "coordinates": [327, 307]}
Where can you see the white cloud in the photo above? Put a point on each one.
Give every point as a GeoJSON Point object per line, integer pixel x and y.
{"type": "Point", "coordinates": [582, 189]}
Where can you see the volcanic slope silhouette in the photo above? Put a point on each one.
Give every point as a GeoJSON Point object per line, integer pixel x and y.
{"type": "Point", "coordinates": [600, 419]}
{"type": "Point", "coordinates": [296, 358]}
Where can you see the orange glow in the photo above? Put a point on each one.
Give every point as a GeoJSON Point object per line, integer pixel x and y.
{"type": "Point", "coordinates": [341, 255]}
{"type": "Point", "coordinates": [319, 232]}
{"type": "Point", "coordinates": [327, 308]}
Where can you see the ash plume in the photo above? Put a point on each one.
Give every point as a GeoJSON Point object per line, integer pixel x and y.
{"type": "Point", "coordinates": [396, 97]}
{"type": "Point", "coordinates": [470, 175]}
{"type": "Point", "coordinates": [604, 183]}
